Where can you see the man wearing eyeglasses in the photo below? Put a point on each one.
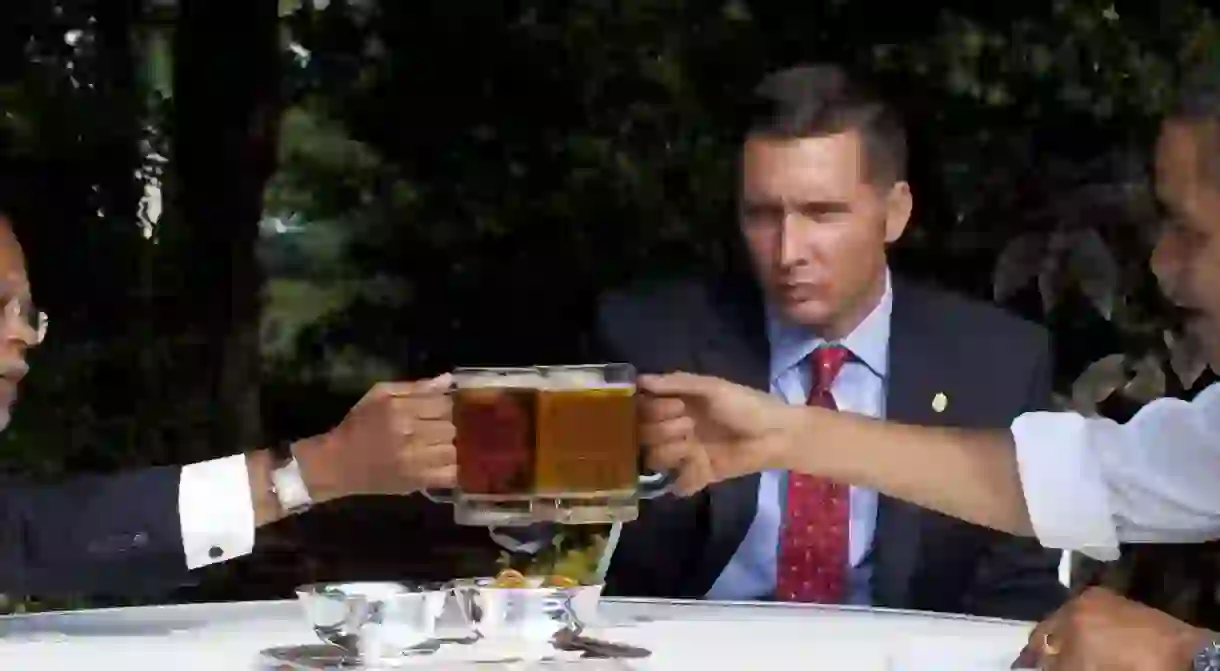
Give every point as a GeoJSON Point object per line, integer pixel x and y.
{"type": "Point", "coordinates": [1085, 484]}
{"type": "Point", "coordinates": [148, 528]}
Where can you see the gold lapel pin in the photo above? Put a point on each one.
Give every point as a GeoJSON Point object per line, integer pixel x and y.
{"type": "Point", "coordinates": [940, 402]}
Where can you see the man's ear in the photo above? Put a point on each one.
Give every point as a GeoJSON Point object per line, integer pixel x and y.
{"type": "Point", "coordinates": [898, 205]}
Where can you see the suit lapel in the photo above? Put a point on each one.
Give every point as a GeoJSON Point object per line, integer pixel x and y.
{"type": "Point", "coordinates": [913, 382]}
{"type": "Point", "coordinates": [731, 344]}
{"type": "Point", "coordinates": [732, 339]}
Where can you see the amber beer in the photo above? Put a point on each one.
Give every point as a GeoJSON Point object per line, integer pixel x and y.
{"type": "Point", "coordinates": [494, 417]}
{"type": "Point", "coordinates": [586, 438]}
{"type": "Point", "coordinates": [548, 443]}
{"type": "Point", "coordinates": [563, 432]}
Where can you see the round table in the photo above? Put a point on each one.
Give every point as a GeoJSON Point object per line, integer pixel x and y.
{"type": "Point", "coordinates": [681, 634]}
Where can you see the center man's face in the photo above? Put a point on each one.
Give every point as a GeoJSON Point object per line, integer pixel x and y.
{"type": "Point", "coordinates": [817, 228]}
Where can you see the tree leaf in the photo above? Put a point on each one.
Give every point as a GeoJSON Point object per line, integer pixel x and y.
{"type": "Point", "coordinates": [1101, 379]}
{"type": "Point", "coordinates": [736, 10]}
{"type": "Point", "coordinates": [1018, 264]}
{"type": "Point", "coordinates": [1187, 357]}
{"type": "Point", "coordinates": [1148, 383]}
{"type": "Point", "coordinates": [1093, 266]}
{"type": "Point", "coordinates": [1050, 284]}
{"type": "Point", "coordinates": [289, 7]}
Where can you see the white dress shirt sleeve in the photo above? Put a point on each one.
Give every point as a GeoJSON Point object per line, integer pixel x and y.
{"type": "Point", "coordinates": [216, 511]}
{"type": "Point", "coordinates": [1092, 483]}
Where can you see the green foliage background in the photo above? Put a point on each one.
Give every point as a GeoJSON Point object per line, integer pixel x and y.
{"type": "Point", "coordinates": [452, 183]}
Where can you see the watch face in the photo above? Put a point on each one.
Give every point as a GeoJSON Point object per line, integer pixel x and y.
{"type": "Point", "coordinates": [1208, 658]}
{"type": "Point", "coordinates": [290, 489]}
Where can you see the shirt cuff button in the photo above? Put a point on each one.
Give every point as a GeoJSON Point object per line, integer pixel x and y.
{"type": "Point", "coordinates": [215, 552]}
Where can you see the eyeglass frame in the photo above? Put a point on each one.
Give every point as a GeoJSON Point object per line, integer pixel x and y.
{"type": "Point", "coordinates": [21, 309]}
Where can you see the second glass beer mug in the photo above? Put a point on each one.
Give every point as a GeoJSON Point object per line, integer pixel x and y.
{"type": "Point", "coordinates": [547, 444]}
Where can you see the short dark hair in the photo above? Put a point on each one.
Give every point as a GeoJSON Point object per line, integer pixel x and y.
{"type": "Point", "coordinates": [815, 100]}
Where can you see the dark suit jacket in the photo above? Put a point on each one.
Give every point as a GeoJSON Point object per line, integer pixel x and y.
{"type": "Point", "coordinates": [991, 366]}
{"type": "Point", "coordinates": [117, 534]}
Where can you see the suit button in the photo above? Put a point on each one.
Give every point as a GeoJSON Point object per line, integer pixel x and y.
{"type": "Point", "coordinates": [215, 552]}
{"type": "Point", "coordinates": [139, 540]}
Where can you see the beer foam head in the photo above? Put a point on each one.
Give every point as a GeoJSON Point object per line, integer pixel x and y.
{"type": "Point", "coordinates": [576, 378]}
{"type": "Point", "coordinates": [486, 380]}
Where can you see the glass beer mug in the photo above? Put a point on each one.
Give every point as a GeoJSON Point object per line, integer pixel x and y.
{"type": "Point", "coordinates": [547, 444]}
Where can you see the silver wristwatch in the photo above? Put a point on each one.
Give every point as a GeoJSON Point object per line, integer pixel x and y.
{"type": "Point", "coordinates": [1208, 657]}
{"type": "Point", "coordinates": [286, 481]}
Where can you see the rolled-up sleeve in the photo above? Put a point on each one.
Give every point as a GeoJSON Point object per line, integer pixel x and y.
{"type": "Point", "coordinates": [216, 511]}
{"type": "Point", "coordinates": [1092, 483]}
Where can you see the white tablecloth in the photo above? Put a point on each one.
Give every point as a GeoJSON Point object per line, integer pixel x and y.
{"type": "Point", "coordinates": [682, 635]}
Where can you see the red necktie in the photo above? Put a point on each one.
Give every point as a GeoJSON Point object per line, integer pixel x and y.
{"type": "Point", "coordinates": [812, 563]}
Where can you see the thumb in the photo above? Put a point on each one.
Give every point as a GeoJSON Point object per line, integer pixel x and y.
{"type": "Point", "coordinates": [439, 383]}
{"type": "Point", "coordinates": [679, 384]}
{"type": "Point", "coordinates": [397, 389]}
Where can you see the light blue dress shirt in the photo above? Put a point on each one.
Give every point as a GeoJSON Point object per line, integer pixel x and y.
{"type": "Point", "coordinates": [859, 388]}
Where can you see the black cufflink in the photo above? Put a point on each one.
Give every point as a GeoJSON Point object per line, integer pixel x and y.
{"type": "Point", "coordinates": [215, 552]}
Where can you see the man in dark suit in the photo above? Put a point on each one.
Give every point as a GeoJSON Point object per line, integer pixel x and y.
{"type": "Point", "coordinates": [1092, 485]}
{"type": "Point", "coordinates": [145, 530]}
{"type": "Point", "coordinates": [823, 193]}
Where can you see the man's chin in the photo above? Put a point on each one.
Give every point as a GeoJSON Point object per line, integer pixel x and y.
{"type": "Point", "coordinates": [804, 313]}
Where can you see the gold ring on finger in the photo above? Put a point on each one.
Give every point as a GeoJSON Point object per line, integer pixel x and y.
{"type": "Point", "coordinates": [1049, 649]}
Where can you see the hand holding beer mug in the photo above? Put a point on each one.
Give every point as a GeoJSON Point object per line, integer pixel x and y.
{"type": "Point", "coordinates": [547, 444]}
{"type": "Point", "coordinates": [398, 439]}
{"type": "Point", "coordinates": [705, 429]}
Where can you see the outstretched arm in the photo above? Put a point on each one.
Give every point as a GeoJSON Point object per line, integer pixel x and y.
{"type": "Point", "coordinates": [146, 529]}
{"type": "Point", "coordinates": [968, 474]}
{"type": "Point", "coordinates": [1076, 483]}
{"type": "Point", "coordinates": [139, 531]}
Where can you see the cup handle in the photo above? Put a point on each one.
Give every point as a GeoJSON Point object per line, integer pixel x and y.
{"type": "Point", "coordinates": [438, 495]}
{"type": "Point", "coordinates": [653, 485]}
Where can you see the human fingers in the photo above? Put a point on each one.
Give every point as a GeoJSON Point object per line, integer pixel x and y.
{"type": "Point", "coordinates": [679, 384]}
{"type": "Point", "coordinates": [669, 457]}
{"type": "Point", "coordinates": [694, 473]}
{"type": "Point", "coordinates": [405, 415]}
{"type": "Point", "coordinates": [419, 463]}
{"type": "Point", "coordinates": [661, 408]}
{"type": "Point", "coordinates": [442, 477]}
{"type": "Point", "coordinates": [432, 432]}
{"type": "Point", "coordinates": [673, 430]}
{"type": "Point", "coordinates": [382, 390]}
{"type": "Point", "coordinates": [1042, 645]}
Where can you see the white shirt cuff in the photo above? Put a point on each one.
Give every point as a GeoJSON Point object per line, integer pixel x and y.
{"type": "Point", "coordinates": [1065, 492]}
{"type": "Point", "coordinates": [216, 510]}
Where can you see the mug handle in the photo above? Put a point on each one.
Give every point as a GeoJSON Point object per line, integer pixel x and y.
{"type": "Point", "coordinates": [653, 485]}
